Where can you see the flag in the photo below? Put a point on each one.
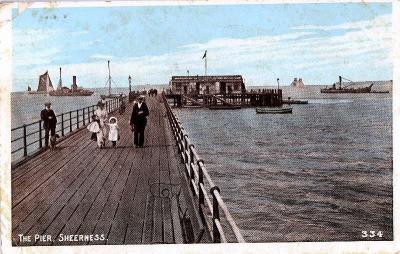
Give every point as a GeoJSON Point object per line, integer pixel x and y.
{"type": "Point", "coordinates": [205, 54]}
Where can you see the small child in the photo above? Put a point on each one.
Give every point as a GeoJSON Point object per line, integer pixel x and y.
{"type": "Point", "coordinates": [113, 135]}
{"type": "Point", "coordinates": [94, 128]}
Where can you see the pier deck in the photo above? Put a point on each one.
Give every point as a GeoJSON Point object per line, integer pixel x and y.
{"type": "Point", "coordinates": [113, 194]}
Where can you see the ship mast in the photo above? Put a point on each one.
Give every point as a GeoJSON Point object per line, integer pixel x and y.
{"type": "Point", "coordinates": [109, 79]}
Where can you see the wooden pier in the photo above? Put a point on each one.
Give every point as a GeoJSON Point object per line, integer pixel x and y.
{"type": "Point", "coordinates": [80, 194]}
{"type": "Point", "coordinates": [259, 98]}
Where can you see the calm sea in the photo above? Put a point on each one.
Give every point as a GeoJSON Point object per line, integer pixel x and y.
{"type": "Point", "coordinates": [323, 173]}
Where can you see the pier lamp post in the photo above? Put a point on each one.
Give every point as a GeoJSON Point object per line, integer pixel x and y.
{"type": "Point", "coordinates": [277, 80]}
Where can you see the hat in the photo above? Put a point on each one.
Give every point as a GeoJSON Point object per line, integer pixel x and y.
{"type": "Point", "coordinates": [141, 97]}
{"type": "Point", "coordinates": [113, 118]}
{"type": "Point", "coordinates": [100, 103]}
{"type": "Point", "coordinates": [47, 103]}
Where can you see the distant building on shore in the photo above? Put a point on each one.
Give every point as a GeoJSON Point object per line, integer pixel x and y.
{"type": "Point", "coordinates": [196, 85]}
{"type": "Point", "coordinates": [298, 83]}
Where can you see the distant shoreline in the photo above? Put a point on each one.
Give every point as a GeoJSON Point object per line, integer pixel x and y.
{"type": "Point", "coordinates": [166, 86]}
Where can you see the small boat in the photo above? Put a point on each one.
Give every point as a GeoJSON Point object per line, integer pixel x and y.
{"type": "Point", "coordinates": [274, 110]}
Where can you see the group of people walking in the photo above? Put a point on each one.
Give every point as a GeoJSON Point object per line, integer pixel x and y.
{"type": "Point", "coordinates": [102, 127]}
{"type": "Point", "coordinates": [100, 123]}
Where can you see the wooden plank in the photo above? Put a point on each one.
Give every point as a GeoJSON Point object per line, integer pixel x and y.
{"type": "Point", "coordinates": [36, 161]}
{"type": "Point", "coordinates": [55, 187]}
{"type": "Point", "coordinates": [72, 198]}
{"type": "Point", "coordinates": [104, 223]}
{"type": "Point", "coordinates": [158, 221]}
{"type": "Point", "coordinates": [176, 224]}
{"type": "Point", "coordinates": [45, 213]}
{"type": "Point", "coordinates": [106, 190]}
{"type": "Point", "coordinates": [120, 224]}
{"type": "Point", "coordinates": [31, 166]}
{"type": "Point", "coordinates": [32, 182]}
{"type": "Point", "coordinates": [136, 215]}
{"type": "Point", "coordinates": [96, 190]}
{"type": "Point", "coordinates": [148, 222]}
{"type": "Point", "coordinates": [167, 220]}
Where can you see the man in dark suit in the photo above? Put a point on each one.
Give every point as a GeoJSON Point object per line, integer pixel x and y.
{"type": "Point", "coordinates": [49, 122]}
{"type": "Point", "coordinates": [138, 120]}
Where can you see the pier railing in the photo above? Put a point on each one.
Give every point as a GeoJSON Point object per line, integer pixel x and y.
{"type": "Point", "coordinates": [28, 139]}
{"type": "Point", "coordinates": [200, 180]}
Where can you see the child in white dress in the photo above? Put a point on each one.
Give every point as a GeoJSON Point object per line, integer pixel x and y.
{"type": "Point", "coordinates": [94, 128]}
{"type": "Point", "coordinates": [113, 132]}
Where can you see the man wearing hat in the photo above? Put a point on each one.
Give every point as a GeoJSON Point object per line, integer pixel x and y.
{"type": "Point", "coordinates": [49, 122]}
{"type": "Point", "coordinates": [138, 120]}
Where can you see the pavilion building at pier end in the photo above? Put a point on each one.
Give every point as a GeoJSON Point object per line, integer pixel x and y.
{"type": "Point", "coordinates": [199, 85]}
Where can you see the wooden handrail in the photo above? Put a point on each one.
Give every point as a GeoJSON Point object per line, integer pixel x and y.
{"type": "Point", "coordinates": [196, 176]}
{"type": "Point", "coordinates": [78, 114]}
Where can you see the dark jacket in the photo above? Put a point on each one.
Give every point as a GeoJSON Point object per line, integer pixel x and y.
{"type": "Point", "coordinates": [137, 119]}
{"type": "Point", "coordinates": [48, 123]}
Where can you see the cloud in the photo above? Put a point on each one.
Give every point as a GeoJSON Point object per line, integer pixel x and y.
{"type": "Point", "coordinates": [379, 21]}
{"type": "Point", "coordinates": [101, 57]}
{"type": "Point", "coordinates": [260, 59]}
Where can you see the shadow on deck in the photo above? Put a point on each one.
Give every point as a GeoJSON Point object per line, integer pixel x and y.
{"type": "Point", "coordinates": [80, 194]}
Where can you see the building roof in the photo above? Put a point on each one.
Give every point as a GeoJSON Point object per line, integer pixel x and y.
{"type": "Point", "coordinates": [234, 78]}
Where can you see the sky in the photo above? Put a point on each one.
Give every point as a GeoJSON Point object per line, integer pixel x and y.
{"type": "Point", "coordinates": [263, 42]}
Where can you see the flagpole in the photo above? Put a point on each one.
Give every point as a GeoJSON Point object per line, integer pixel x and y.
{"type": "Point", "coordinates": [205, 65]}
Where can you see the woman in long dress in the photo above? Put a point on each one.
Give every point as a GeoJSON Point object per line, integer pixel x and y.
{"type": "Point", "coordinates": [102, 115]}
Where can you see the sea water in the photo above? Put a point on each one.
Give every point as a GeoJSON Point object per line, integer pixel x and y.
{"type": "Point", "coordinates": [322, 173]}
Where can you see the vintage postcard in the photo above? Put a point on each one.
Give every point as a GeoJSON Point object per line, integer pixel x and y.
{"type": "Point", "coordinates": [192, 127]}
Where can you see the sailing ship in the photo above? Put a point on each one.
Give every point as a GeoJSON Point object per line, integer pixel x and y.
{"type": "Point", "coordinates": [45, 85]}
{"type": "Point", "coordinates": [74, 91]}
{"type": "Point", "coordinates": [339, 87]}
{"type": "Point", "coordinates": [108, 83]}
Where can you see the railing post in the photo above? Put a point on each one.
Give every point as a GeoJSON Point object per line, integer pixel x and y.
{"type": "Point", "coordinates": [62, 124]}
{"type": "Point", "coordinates": [25, 146]}
{"type": "Point", "coordinates": [83, 116]}
{"type": "Point", "coordinates": [40, 134]}
{"type": "Point", "coordinates": [201, 182]}
{"type": "Point", "coordinates": [216, 234]}
{"type": "Point", "coordinates": [70, 121]}
{"type": "Point", "coordinates": [107, 106]}
{"type": "Point", "coordinates": [88, 114]}
{"type": "Point", "coordinates": [191, 160]}
{"type": "Point", "coordinates": [77, 118]}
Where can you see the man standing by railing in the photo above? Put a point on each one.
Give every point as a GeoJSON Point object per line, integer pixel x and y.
{"type": "Point", "coordinates": [49, 122]}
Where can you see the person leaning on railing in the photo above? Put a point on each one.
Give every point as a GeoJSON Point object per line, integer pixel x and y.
{"type": "Point", "coordinates": [49, 122]}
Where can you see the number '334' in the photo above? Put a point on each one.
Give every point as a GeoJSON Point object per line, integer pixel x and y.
{"type": "Point", "coordinates": [371, 234]}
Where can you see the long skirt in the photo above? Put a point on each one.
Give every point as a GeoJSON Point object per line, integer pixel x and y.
{"type": "Point", "coordinates": [101, 137]}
